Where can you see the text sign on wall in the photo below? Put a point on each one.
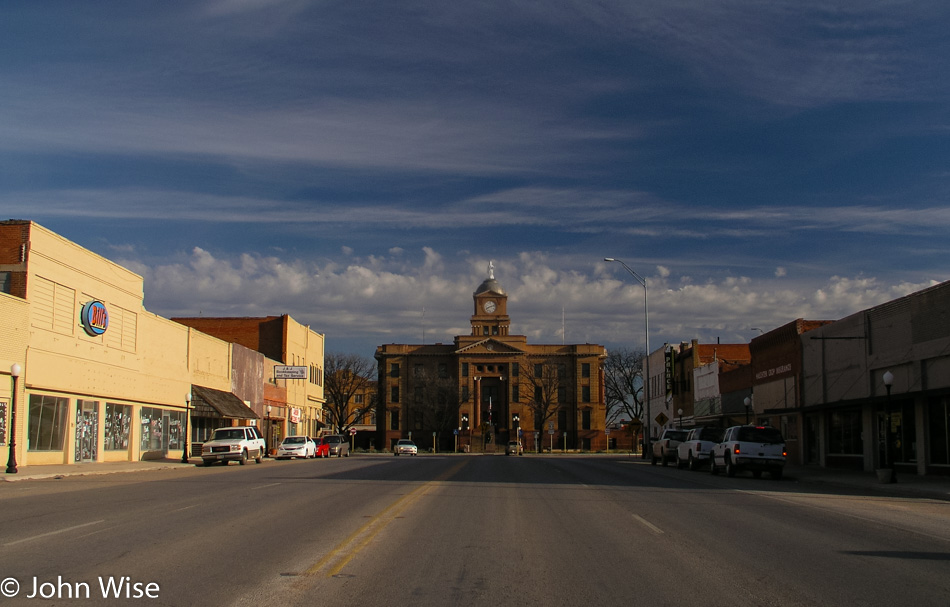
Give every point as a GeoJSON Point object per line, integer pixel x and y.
{"type": "Point", "coordinates": [94, 318]}
{"type": "Point", "coordinates": [290, 372]}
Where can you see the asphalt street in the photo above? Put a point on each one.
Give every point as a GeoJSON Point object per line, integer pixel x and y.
{"type": "Point", "coordinates": [466, 530]}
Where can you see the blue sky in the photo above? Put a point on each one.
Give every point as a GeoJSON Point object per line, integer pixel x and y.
{"type": "Point", "coordinates": [355, 163]}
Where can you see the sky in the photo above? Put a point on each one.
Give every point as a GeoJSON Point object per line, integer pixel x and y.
{"type": "Point", "coordinates": [358, 164]}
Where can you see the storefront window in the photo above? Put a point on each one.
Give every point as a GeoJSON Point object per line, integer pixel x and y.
{"type": "Point", "coordinates": [844, 433]}
{"type": "Point", "coordinates": [117, 427]}
{"type": "Point", "coordinates": [939, 421]}
{"type": "Point", "coordinates": [47, 422]}
{"type": "Point", "coordinates": [161, 429]}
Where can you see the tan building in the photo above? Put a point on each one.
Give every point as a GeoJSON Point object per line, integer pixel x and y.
{"type": "Point", "coordinates": [102, 378]}
{"type": "Point", "coordinates": [489, 387]}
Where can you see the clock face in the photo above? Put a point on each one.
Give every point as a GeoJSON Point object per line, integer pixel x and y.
{"type": "Point", "coordinates": [489, 306]}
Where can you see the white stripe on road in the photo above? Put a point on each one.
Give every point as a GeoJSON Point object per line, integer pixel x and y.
{"type": "Point", "coordinates": [648, 524]}
{"type": "Point", "coordinates": [36, 537]}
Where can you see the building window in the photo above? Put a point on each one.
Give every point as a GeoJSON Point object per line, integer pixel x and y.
{"type": "Point", "coordinates": [394, 394]}
{"type": "Point", "coordinates": [561, 419]}
{"type": "Point", "coordinates": [939, 443]}
{"type": "Point", "coordinates": [394, 370]}
{"type": "Point", "coordinates": [394, 419]}
{"type": "Point", "coordinates": [561, 394]}
{"type": "Point", "coordinates": [561, 371]}
{"type": "Point", "coordinates": [515, 369]}
{"type": "Point", "coordinates": [585, 419]}
{"type": "Point", "coordinates": [417, 370]}
{"type": "Point", "coordinates": [485, 330]}
{"type": "Point", "coordinates": [537, 394]}
{"type": "Point", "coordinates": [464, 394]}
{"type": "Point", "coordinates": [844, 432]}
{"type": "Point", "coordinates": [585, 394]}
{"type": "Point", "coordinates": [161, 429]}
{"type": "Point", "coordinates": [443, 370]}
{"type": "Point", "coordinates": [117, 425]}
{"type": "Point", "coordinates": [464, 369]}
{"type": "Point", "coordinates": [358, 399]}
{"type": "Point", "coordinates": [494, 330]}
{"type": "Point", "coordinates": [538, 370]}
{"type": "Point", "coordinates": [585, 370]}
{"type": "Point", "coordinates": [5, 282]}
{"type": "Point", "coordinates": [515, 393]}
{"type": "Point", "coordinates": [47, 422]}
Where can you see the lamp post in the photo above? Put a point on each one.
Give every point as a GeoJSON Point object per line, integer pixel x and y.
{"type": "Point", "coordinates": [11, 458]}
{"type": "Point", "coordinates": [184, 448]}
{"type": "Point", "coordinates": [680, 412]}
{"type": "Point", "coordinates": [748, 405]}
{"type": "Point", "coordinates": [888, 378]}
{"type": "Point", "coordinates": [646, 378]}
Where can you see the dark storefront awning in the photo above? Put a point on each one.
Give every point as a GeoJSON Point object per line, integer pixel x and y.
{"type": "Point", "coordinates": [227, 405]}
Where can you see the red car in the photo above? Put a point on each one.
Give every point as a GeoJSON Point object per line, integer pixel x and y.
{"type": "Point", "coordinates": [323, 447]}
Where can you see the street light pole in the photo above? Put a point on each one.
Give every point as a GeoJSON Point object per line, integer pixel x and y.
{"type": "Point", "coordinates": [646, 379]}
{"type": "Point", "coordinates": [11, 458]}
{"type": "Point", "coordinates": [888, 378]}
{"type": "Point", "coordinates": [184, 449]}
{"type": "Point", "coordinates": [747, 401]}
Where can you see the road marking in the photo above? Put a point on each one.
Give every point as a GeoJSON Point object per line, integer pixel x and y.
{"type": "Point", "coordinates": [648, 524]}
{"type": "Point", "coordinates": [356, 541]}
{"type": "Point", "coordinates": [266, 486]}
{"type": "Point", "coordinates": [186, 508]}
{"type": "Point", "coordinates": [42, 535]}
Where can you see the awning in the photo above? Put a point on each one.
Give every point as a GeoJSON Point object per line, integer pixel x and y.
{"type": "Point", "coordinates": [224, 403]}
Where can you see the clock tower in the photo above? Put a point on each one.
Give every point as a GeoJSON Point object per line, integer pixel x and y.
{"type": "Point", "coordinates": [491, 307]}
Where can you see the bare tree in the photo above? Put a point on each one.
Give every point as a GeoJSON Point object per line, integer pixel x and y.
{"type": "Point", "coordinates": [542, 388]}
{"type": "Point", "coordinates": [345, 376]}
{"type": "Point", "coordinates": [623, 385]}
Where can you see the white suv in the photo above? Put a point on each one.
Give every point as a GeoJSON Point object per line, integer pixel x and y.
{"type": "Point", "coordinates": [238, 443]}
{"type": "Point", "coordinates": [696, 449]}
{"type": "Point", "coordinates": [755, 448]}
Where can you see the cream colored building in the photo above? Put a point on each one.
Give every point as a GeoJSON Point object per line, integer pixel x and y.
{"type": "Point", "coordinates": [102, 378]}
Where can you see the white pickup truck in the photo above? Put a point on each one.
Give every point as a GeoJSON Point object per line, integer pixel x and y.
{"type": "Point", "coordinates": [664, 448]}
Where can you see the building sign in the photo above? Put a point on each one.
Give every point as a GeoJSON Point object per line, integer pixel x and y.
{"type": "Point", "coordinates": [668, 358]}
{"type": "Point", "coordinates": [290, 372]}
{"type": "Point", "coordinates": [295, 415]}
{"type": "Point", "coordinates": [786, 368]}
{"type": "Point", "coordinates": [94, 318]}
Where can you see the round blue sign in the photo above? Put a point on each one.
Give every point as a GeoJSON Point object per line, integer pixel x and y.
{"type": "Point", "coordinates": [95, 318]}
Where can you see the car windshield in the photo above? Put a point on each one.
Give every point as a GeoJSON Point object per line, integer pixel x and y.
{"type": "Point", "coordinates": [405, 442]}
{"type": "Point", "coordinates": [294, 440]}
{"type": "Point", "coordinates": [334, 439]}
{"type": "Point", "coordinates": [769, 436]}
{"type": "Point", "coordinates": [228, 435]}
{"type": "Point", "coordinates": [679, 435]}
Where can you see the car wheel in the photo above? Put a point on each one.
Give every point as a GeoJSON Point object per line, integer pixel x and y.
{"type": "Point", "coordinates": [730, 467]}
{"type": "Point", "coordinates": [691, 464]}
{"type": "Point", "coordinates": [777, 473]}
{"type": "Point", "coordinates": [653, 461]}
{"type": "Point", "coordinates": [756, 474]}
{"type": "Point", "coordinates": [347, 453]}
{"type": "Point", "coordinates": [664, 459]}
{"type": "Point", "coordinates": [260, 456]}
{"type": "Point", "coordinates": [243, 459]}
{"type": "Point", "coordinates": [208, 462]}
{"type": "Point", "coordinates": [712, 465]}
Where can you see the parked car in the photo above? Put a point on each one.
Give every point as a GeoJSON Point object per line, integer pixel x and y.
{"type": "Point", "coordinates": [695, 450]}
{"type": "Point", "coordinates": [296, 446]}
{"type": "Point", "coordinates": [514, 448]}
{"type": "Point", "coordinates": [405, 446]}
{"type": "Point", "coordinates": [338, 445]}
{"type": "Point", "coordinates": [664, 448]}
{"type": "Point", "coordinates": [754, 448]}
{"type": "Point", "coordinates": [237, 443]}
{"type": "Point", "coordinates": [322, 447]}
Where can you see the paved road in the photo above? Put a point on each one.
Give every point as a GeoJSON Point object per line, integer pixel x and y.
{"type": "Point", "coordinates": [468, 530]}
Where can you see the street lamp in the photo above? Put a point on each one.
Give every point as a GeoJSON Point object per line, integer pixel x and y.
{"type": "Point", "coordinates": [680, 411]}
{"type": "Point", "coordinates": [888, 378]}
{"type": "Point", "coordinates": [184, 449]}
{"type": "Point", "coordinates": [748, 406]}
{"type": "Point", "coordinates": [646, 379]}
{"type": "Point", "coordinates": [11, 459]}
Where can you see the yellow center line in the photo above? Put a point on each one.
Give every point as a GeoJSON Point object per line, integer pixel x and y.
{"type": "Point", "coordinates": [359, 539]}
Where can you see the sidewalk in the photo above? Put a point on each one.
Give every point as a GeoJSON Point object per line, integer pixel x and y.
{"type": "Point", "coordinates": [907, 485]}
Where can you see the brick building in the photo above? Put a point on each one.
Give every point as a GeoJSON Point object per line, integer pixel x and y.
{"type": "Point", "coordinates": [489, 387]}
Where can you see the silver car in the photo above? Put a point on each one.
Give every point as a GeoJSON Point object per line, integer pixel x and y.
{"type": "Point", "coordinates": [338, 445]}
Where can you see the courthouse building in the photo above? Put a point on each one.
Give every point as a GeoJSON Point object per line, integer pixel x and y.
{"type": "Point", "coordinates": [100, 378]}
{"type": "Point", "coordinates": [490, 386]}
